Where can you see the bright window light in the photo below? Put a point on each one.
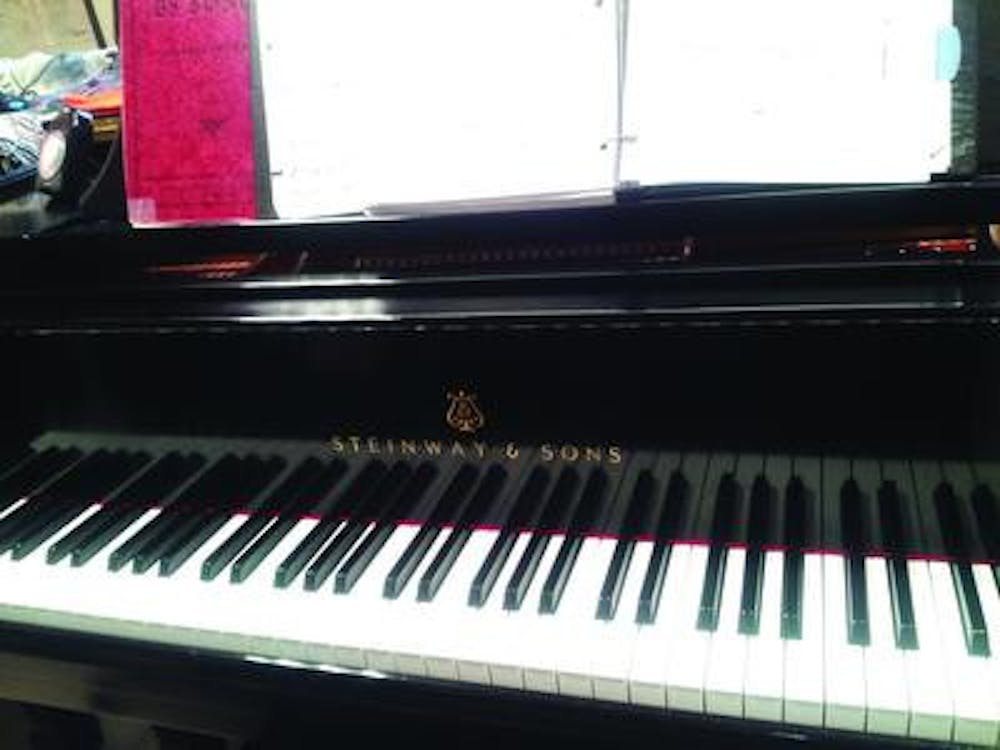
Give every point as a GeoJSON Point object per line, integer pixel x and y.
{"type": "Point", "coordinates": [786, 91]}
{"type": "Point", "coordinates": [401, 102]}
{"type": "Point", "coordinates": [390, 101]}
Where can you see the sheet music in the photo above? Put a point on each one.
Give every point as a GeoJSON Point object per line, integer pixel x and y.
{"type": "Point", "coordinates": [400, 102]}
{"type": "Point", "coordinates": [785, 90]}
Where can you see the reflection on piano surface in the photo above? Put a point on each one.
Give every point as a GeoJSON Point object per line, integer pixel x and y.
{"type": "Point", "coordinates": [847, 593]}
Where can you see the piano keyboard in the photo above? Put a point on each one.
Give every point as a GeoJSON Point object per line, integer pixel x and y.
{"type": "Point", "coordinates": [841, 593]}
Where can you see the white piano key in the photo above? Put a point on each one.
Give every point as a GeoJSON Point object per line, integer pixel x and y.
{"type": "Point", "coordinates": [31, 581]}
{"type": "Point", "coordinates": [575, 623]}
{"type": "Point", "coordinates": [990, 599]}
{"type": "Point", "coordinates": [359, 637]}
{"type": "Point", "coordinates": [844, 682]}
{"type": "Point", "coordinates": [726, 666]}
{"type": "Point", "coordinates": [483, 663]}
{"type": "Point", "coordinates": [532, 633]}
{"type": "Point", "coordinates": [652, 657]}
{"type": "Point", "coordinates": [99, 592]}
{"type": "Point", "coordinates": [452, 615]}
{"type": "Point", "coordinates": [611, 659]}
{"type": "Point", "coordinates": [977, 711]}
{"type": "Point", "coordinates": [183, 599]}
{"type": "Point", "coordinates": [763, 686]}
{"type": "Point", "coordinates": [261, 595]}
{"type": "Point", "coordinates": [402, 645]}
{"type": "Point", "coordinates": [804, 658]}
{"type": "Point", "coordinates": [688, 645]}
{"type": "Point", "coordinates": [887, 699]}
{"type": "Point", "coordinates": [931, 704]}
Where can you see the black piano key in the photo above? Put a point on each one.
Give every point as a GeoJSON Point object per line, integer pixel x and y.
{"type": "Point", "coordinates": [99, 537]}
{"type": "Point", "coordinates": [970, 610]}
{"type": "Point", "coordinates": [528, 500]}
{"type": "Point", "coordinates": [715, 570]}
{"type": "Point", "coordinates": [387, 493]}
{"type": "Point", "coordinates": [36, 471]}
{"type": "Point", "coordinates": [523, 574]}
{"type": "Point", "coordinates": [753, 574]}
{"type": "Point", "coordinates": [558, 577]}
{"type": "Point", "coordinates": [192, 499]}
{"type": "Point", "coordinates": [18, 522]}
{"type": "Point", "coordinates": [432, 580]}
{"type": "Point", "coordinates": [614, 581]}
{"type": "Point", "coordinates": [984, 506]}
{"type": "Point", "coordinates": [711, 592]}
{"type": "Point", "coordinates": [299, 558]}
{"type": "Point", "coordinates": [901, 597]}
{"type": "Point", "coordinates": [858, 632]}
{"type": "Point", "coordinates": [140, 494]}
{"type": "Point", "coordinates": [584, 519]}
{"type": "Point", "coordinates": [172, 562]}
{"type": "Point", "coordinates": [101, 480]}
{"type": "Point", "coordinates": [444, 512]}
{"type": "Point", "coordinates": [363, 486]}
{"type": "Point", "coordinates": [180, 526]}
{"type": "Point", "coordinates": [46, 514]}
{"type": "Point", "coordinates": [475, 512]}
{"type": "Point", "coordinates": [637, 521]}
{"type": "Point", "coordinates": [652, 583]}
{"type": "Point", "coordinates": [127, 550]}
{"type": "Point", "coordinates": [854, 536]}
{"type": "Point", "coordinates": [35, 535]}
{"type": "Point", "coordinates": [254, 474]}
{"type": "Point", "coordinates": [359, 560]}
{"type": "Point", "coordinates": [753, 587]}
{"type": "Point", "coordinates": [408, 562]}
{"type": "Point", "coordinates": [957, 544]}
{"type": "Point", "coordinates": [793, 574]}
{"type": "Point", "coordinates": [249, 561]}
{"type": "Point", "coordinates": [231, 547]}
{"type": "Point", "coordinates": [488, 573]}
{"type": "Point", "coordinates": [667, 529]}
{"type": "Point", "coordinates": [281, 496]}
{"type": "Point", "coordinates": [791, 595]}
{"type": "Point", "coordinates": [318, 489]}
{"type": "Point", "coordinates": [552, 520]}
{"type": "Point", "coordinates": [896, 546]}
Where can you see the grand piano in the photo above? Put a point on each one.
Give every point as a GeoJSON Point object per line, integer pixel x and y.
{"type": "Point", "coordinates": [694, 470]}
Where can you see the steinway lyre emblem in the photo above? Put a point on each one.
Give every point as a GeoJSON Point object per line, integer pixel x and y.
{"type": "Point", "coordinates": [464, 414]}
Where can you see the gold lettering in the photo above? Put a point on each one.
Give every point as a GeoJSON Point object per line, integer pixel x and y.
{"type": "Point", "coordinates": [432, 447]}
{"type": "Point", "coordinates": [512, 451]}
{"type": "Point", "coordinates": [614, 454]}
{"type": "Point", "coordinates": [390, 446]}
{"type": "Point", "coordinates": [547, 453]}
{"type": "Point", "coordinates": [336, 444]}
{"type": "Point", "coordinates": [593, 454]}
{"type": "Point", "coordinates": [373, 445]}
{"type": "Point", "coordinates": [480, 449]}
{"type": "Point", "coordinates": [355, 442]}
{"type": "Point", "coordinates": [457, 449]}
{"type": "Point", "coordinates": [408, 447]}
{"type": "Point", "coordinates": [569, 453]}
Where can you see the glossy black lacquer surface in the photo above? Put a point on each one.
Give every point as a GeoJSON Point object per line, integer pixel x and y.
{"type": "Point", "coordinates": [804, 324]}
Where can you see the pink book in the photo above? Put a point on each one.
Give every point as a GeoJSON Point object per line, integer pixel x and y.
{"type": "Point", "coordinates": [188, 119]}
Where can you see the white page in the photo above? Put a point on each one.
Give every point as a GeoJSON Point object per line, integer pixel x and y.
{"type": "Point", "coordinates": [400, 101]}
{"type": "Point", "coordinates": [785, 91]}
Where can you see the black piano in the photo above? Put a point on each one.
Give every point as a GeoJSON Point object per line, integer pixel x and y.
{"type": "Point", "coordinates": [706, 471]}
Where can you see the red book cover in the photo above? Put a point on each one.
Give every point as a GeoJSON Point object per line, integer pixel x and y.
{"type": "Point", "coordinates": [188, 119]}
